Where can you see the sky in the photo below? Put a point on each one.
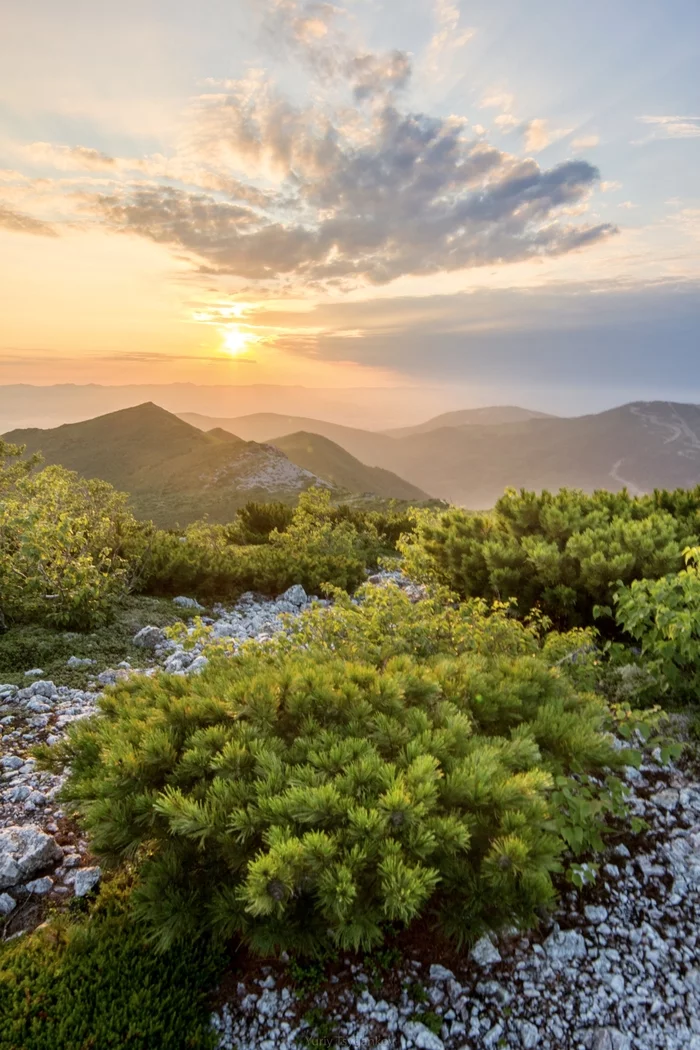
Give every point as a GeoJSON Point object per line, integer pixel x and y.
{"type": "Point", "coordinates": [496, 200]}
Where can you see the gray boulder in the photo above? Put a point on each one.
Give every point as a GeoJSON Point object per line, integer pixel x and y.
{"type": "Point", "coordinates": [23, 851]}
{"type": "Point", "coordinates": [295, 595]}
{"type": "Point", "coordinates": [609, 1039]}
{"type": "Point", "coordinates": [149, 638]}
{"type": "Point", "coordinates": [187, 603]}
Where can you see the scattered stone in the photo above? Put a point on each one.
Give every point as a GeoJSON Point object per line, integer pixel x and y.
{"type": "Point", "coordinates": [485, 953]}
{"type": "Point", "coordinates": [39, 886]}
{"type": "Point", "coordinates": [24, 850]}
{"type": "Point", "coordinates": [609, 1039]}
{"type": "Point", "coordinates": [84, 880]}
{"type": "Point", "coordinates": [76, 662]}
{"type": "Point", "coordinates": [36, 672]}
{"type": "Point", "coordinates": [7, 904]}
{"type": "Point", "coordinates": [565, 945]}
{"type": "Point", "coordinates": [149, 638]}
{"type": "Point", "coordinates": [295, 595]}
{"type": "Point", "coordinates": [188, 603]}
{"type": "Point", "coordinates": [595, 915]}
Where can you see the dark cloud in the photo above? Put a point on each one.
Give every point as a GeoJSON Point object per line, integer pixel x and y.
{"type": "Point", "coordinates": [18, 222]}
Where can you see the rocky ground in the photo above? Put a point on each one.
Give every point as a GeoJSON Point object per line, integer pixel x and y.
{"type": "Point", "coordinates": [618, 968]}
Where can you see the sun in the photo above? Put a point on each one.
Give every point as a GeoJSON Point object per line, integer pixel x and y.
{"type": "Point", "coordinates": [236, 341]}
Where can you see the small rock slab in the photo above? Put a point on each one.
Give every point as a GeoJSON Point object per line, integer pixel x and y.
{"type": "Point", "coordinates": [24, 850]}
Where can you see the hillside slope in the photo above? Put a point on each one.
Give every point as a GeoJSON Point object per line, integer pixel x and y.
{"type": "Point", "coordinates": [369, 447]}
{"type": "Point", "coordinates": [492, 416]}
{"type": "Point", "coordinates": [640, 446]}
{"type": "Point", "coordinates": [328, 460]}
{"type": "Point", "coordinates": [174, 472]}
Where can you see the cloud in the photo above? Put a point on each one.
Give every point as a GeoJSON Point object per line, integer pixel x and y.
{"type": "Point", "coordinates": [69, 158]}
{"type": "Point", "coordinates": [538, 135]}
{"type": "Point", "coordinates": [672, 127]}
{"type": "Point", "coordinates": [498, 100]}
{"type": "Point", "coordinates": [447, 40]}
{"type": "Point", "coordinates": [414, 195]}
{"type": "Point", "coordinates": [585, 142]}
{"type": "Point", "coordinates": [506, 121]}
{"type": "Point", "coordinates": [312, 32]}
{"type": "Point", "coordinates": [610, 185]}
{"type": "Point", "coordinates": [18, 222]}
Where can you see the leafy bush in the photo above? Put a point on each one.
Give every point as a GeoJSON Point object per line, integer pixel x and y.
{"type": "Point", "coordinates": [564, 552]}
{"type": "Point", "coordinates": [664, 617]}
{"type": "Point", "coordinates": [97, 983]}
{"type": "Point", "coordinates": [293, 801]}
{"type": "Point", "coordinates": [64, 549]}
{"type": "Point", "coordinates": [315, 548]}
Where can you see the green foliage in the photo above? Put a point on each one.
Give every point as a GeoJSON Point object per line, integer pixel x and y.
{"type": "Point", "coordinates": [96, 983]}
{"type": "Point", "coordinates": [36, 645]}
{"type": "Point", "coordinates": [664, 617]}
{"type": "Point", "coordinates": [565, 552]}
{"type": "Point", "coordinates": [64, 549]}
{"type": "Point", "coordinates": [255, 521]}
{"type": "Point", "coordinates": [319, 545]}
{"type": "Point", "coordinates": [303, 802]}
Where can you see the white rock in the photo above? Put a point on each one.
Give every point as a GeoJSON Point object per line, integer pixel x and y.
{"type": "Point", "coordinates": [84, 880]}
{"type": "Point", "coordinates": [419, 1035]}
{"type": "Point", "coordinates": [595, 914]}
{"type": "Point", "coordinates": [39, 886]}
{"type": "Point", "coordinates": [187, 603]}
{"type": "Point", "coordinates": [667, 799]}
{"type": "Point", "coordinates": [7, 904]}
{"type": "Point", "coordinates": [295, 595]}
{"type": "Point", "coordinates": [24, 850]}
{"type": "Point", "coordinates": [484, 953]}
{"type": "Point", "coordinates": [74, 662]}
{"type": "Point", "coordinates": [149, 638]}
{"type": "Point", "coordinates": [609, 1039]}
{"type": "Point", "coordinates": [440, 973]}
{"type": "Point", "coordinates": [36, 672]}
{"type": "Point", "coordinates": [529, 1035]}
{"type": "Point", "coordinates": [565, 945]}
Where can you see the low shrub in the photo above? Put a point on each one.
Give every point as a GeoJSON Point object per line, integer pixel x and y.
{"type": "Point", "coordinates": [315, 548]}
{"type": "Point", "coordinates": [564, 552]}
{"type": "Point", "coordinates": [302, 803]}
{"type": "Point", "coordinates": [97, 983]}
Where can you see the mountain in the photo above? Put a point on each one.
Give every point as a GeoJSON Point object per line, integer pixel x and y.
{"type": "Point", "coordinates": [174, 472]}
{"type": "Point", "coordinates": [493, 416]}
{"type": "Point", "coordinates": [642, 445]}
{"type": "Point", "coordinates": [366, 445]}
{"type": "Point", "coordinates": [332, 463]}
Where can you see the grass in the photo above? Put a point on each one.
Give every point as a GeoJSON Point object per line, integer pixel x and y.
{"type": "Point", "coordinates": [95, 984]}
{"type": "Point", "coordinates": [26, 646]}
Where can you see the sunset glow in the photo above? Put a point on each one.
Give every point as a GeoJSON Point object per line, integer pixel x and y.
{"type": "Point", "coordinates": [331, 194]}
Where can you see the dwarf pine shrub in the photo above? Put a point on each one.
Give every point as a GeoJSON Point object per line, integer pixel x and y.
{"type": "Point", "coordinates": [564, 552]}
{"type": "Point", "coordinates": [302, 803]}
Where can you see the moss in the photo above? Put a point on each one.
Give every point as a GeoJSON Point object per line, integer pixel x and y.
{"type": "Point", "coordinates": [25, 646]}
{"type": "Point", "coordinates": [95, 984]}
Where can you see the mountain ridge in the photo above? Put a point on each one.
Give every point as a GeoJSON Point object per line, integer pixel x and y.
{"type": "Point", "coordinates": [177, 473]}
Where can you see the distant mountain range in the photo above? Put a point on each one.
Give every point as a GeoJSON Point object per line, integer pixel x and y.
{"type": "Point", "coordinates": [176, 473]}
{"type": "Point", "coordinates": [641, 446]}
{"type": "Point", "coordinates": [181, 468]}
